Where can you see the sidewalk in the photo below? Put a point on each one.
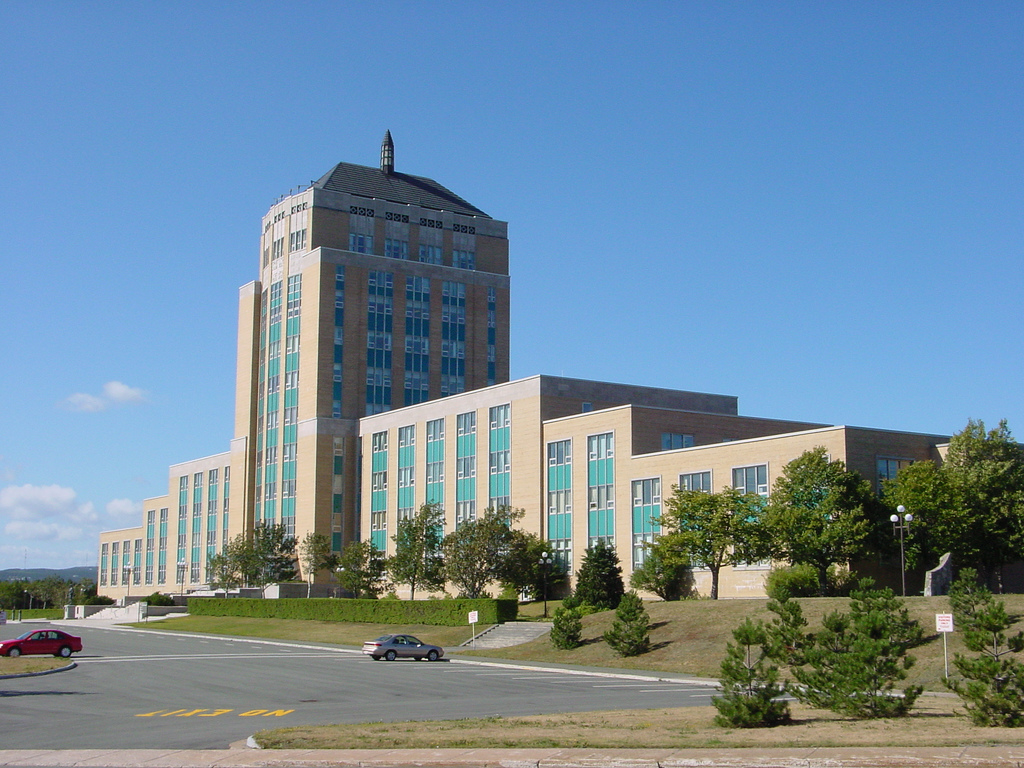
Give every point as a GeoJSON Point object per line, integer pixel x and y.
{"type": "Point", "coordinates": [240, 757]}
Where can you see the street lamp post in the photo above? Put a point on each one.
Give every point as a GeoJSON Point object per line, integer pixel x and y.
{"type": "Point", "coordinates": [182, 565]}
{"type": "Point", "coordinates": [901, 522]}
{"type": "Point", "coordinates": [545, 567]}
{"type": "Point", "coordinates": [126, 576]}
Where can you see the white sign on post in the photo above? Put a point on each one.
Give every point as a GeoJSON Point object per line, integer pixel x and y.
{"type": "Point", "coordinates": [944, 624]}
{"type": "Point", "coordinates": [473, 617]}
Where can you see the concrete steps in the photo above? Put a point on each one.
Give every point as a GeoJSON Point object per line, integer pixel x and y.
{"type": "Point", "coordinates": [511, 633]}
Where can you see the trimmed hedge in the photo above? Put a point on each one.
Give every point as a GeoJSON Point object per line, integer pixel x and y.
{"type": "Point", "coordinates": [448, 613]}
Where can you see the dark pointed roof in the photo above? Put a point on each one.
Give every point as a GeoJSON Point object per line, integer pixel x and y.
{"type": "Point", "coordinates": [395, 187]}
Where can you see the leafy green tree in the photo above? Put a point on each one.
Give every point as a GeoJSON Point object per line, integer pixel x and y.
{"type": "Point", "coordinates": [417, 560]}
{"type": "Point", "coordinates": [993, 686]}
{"type": "Point", "coordinates": [855, 661]}
{"type": "Point", "coordinates": [362, 569]}
{"type": "Point", "coordinates": [265, 556]}
{"type": "Point", "coordinates": [567, 628]}
{"type": "Point", "coordinates": [750, 684]}
{"type": "Point", "coordinates": [521, 570]}
{"type": "Point", "coordinates": [222, 569]}
{"type": "Point", "coordinates": [51, 591]}
{"type": "Point", "coordinates": [820, 513]}
{"type": "Point", "coordinates": [670, 578]}
{"type": "Point", "coordinates": [711, 530]}
{"type": "Point", "coordinates": [315, 555]}
{"type": "Point", "coordinates": [629, 634]}
{"type": "Point", "coordinates": [599, 579]}
{"type": "Point", "coordinates": [273, 551]}
{"type": "Point", "coordinates": [476, 553]}
{"type": "Point", "coordinates": [971, 505]}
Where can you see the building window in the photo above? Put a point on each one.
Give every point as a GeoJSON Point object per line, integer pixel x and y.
{"type": "Point", "coordinates": [673, 440]}
{"type": "Point", "coordinates": [463, 259]}
{"type": "Point", "coordinates": [453, 338]}
{"type": "Point", "coordinates": [560, 500]}
{"type": "Point", "coordinates": [360, 243]}
{"type": "Point", "coordinates": [888, 468]}
{"type": "Point", "coordinates": [465, 466]}
{"type": "Point", "coordinates": [695, 481]}
{"type": "Point", "coordinates": [435, 462]}
{"type": "Point", "coordinates": [396, 249]}
{"type": "Point", "coordinates": [379, 490]}
{"type": "Point", "coordinates": [646, 517]}
{"type": "Point", "coordinates": [417, 340]}
{"type": "Point", "coordinates": [752, 479]}
{"type": "Point", "coordinates": [499, 456]}
{"type": "Point", "coordinates": [601, 489]}
{"type": "Point", "coordinates": [430, 254]}
{"type": "Point", "coordinates": [379, 323]}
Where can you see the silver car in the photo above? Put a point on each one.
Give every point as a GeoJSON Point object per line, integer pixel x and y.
{"type": "Point", "coordinates": [392, 647]}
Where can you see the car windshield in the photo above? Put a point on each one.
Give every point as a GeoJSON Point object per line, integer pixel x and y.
{"type": "Point", "coordinates": [25, 635]}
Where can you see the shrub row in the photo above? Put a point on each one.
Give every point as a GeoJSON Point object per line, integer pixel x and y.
{"type": "Point", "coordinates": [448, 613]}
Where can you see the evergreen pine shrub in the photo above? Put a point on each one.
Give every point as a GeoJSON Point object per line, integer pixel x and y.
{"type": "Point", "coordinates": [599, 579]}
{"type": "Point", "coordinates": [567, 629]}
{"type": "Point", "coordinates": [993, 687]}
{"type": "Point", "coordinates": [629, 634]}
{"type": "Point", "coordinates": [750, 683]}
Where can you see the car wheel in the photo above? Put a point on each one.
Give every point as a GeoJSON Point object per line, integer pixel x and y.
{"type": "Point", "coordinates": [14, 652]}
{"type": "Point", "coordinates": [390, 655]}
{"type": "Point", "coordinates": [64, 652]}
{"type": "Point", "coordinates": [432, 656]}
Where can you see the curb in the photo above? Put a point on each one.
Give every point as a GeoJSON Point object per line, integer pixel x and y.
{"type": "Point", "coordinates": [53, 671]}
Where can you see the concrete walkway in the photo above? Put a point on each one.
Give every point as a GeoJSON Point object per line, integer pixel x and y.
{"type": "Point", "coordinates": [240, 757]}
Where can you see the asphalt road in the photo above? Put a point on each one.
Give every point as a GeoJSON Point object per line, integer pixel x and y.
{"type": "Point", "coordinates": [151, 689]}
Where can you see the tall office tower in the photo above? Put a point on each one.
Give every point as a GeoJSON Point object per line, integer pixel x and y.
{"type": "Point", "coordinates": [377, 290]}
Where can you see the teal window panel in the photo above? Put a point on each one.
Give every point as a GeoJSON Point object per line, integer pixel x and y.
{"type": "Point", "coordinates": [291, 397]}
{"type": "Point", "coordinates": [288, 470]}
{"type": "Point", "coordinates": [336, 503]}
{"type": "Point", "coordinates": [379, 539]}
{"type": "Point", "coordinates": [336, 542]}
{"type": "Point", "coordinates": [291, 434]}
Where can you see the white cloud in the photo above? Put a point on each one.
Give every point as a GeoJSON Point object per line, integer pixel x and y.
{"type": "Point", "coordinates": [114, 393]}
{"type": "Point", "coordinates": [86, 403]}
{"type": "Point", "coordinates": [117, 392]}
{"type": "Point", "coordinates": [44, 513]}
{"type": "Point", "coordinates": [125, 508]}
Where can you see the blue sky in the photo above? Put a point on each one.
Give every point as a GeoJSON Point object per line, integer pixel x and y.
{"type": "Point", "coordinates": [817, 206]}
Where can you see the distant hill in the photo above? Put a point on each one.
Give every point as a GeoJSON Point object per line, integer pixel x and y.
{"type": "Point", "coordinates": [80, 573]}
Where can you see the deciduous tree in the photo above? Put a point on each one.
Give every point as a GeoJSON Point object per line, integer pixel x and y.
{"type": "Point", "coordinates": [476, 554]}
{"type": "Point", "coordinates": [711, 530]}
{"type": "Point", "coordinates": [315, 555]}
{"type": "Point", "coordinates": [820, 513]}
{"type": "Point", "coordinates": [362, 570]}
{"type": "Point", "coordinates": [417, 560]}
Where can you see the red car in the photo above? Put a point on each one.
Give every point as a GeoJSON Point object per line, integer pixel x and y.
{"type": "Point", "coordinates": [49, 642]}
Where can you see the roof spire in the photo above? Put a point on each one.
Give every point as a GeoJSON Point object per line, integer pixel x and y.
{"type": "Point", "coordinates": [387, 154]}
